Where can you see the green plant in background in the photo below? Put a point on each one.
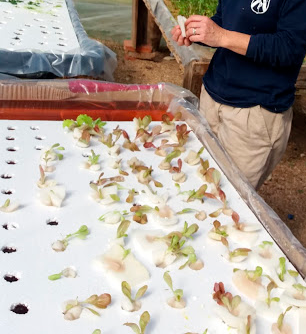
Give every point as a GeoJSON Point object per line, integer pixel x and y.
{"type": "Point", "coordinates": [199, 7]}
{"type": "Point", "coordinates": [13, 2]}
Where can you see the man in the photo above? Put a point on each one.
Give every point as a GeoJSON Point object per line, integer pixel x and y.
{"type": "Point", "coordinates": [249, 87]}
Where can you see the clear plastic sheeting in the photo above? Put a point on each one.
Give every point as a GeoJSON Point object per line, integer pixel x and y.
{"type": "Point", "coordinates": [106, 19]}
{"type": "Point", "coordinates": [166, 21]}
{"type": "Point", "coordinates": [67, 99]}
{"type": "Point", "coordinates": [47, 40]}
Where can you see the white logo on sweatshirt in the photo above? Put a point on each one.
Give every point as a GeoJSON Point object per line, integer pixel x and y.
{"type": "Point", "coordinates": [260, 6]}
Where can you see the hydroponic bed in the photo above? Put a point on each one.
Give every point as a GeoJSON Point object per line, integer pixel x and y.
{"type": "Point", "coordinates": [46, 38]}
{"type": "Point", "coordinates": [33, 238]}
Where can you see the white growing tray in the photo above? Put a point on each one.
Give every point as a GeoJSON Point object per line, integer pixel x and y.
{"type": "Point", "coordinates": [46, 28]}
{"type": "Point", "coordinates": [35, 260]}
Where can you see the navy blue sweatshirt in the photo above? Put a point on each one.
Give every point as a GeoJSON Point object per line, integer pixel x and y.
{"type": "Point", "coordinates": [267, 75]}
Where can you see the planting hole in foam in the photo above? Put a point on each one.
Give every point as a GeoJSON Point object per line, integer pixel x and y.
{"type": "Point", "coordinates": [34, 127]}
{"type": "Point", "coordinates": [10, 226]}
{"type": "Point", "coordinates": [52, 222]}
{"type": "Point", "coordinates": [11, 162]}
{"type": "Point", "coordinates": [12, 149]}
{"type": "Point", "coordinates": [40, 137]}
{"type": "Point", "coordinates": [38, 147]}
{"type": "Point", "coordinates": [7, 191]}
{"type": "Point", "coordinates": [8, 249]}
{"type": "Point", "coordinates": [19, 308]}
{"type": "Point", "coordinates": [6, 176]}
{"type": "Point", "coordinates": [11, 278]}
{"type": "Point", "coordinates": [10, 138]}
{"type": "Point", "coordinates": [11, 128]}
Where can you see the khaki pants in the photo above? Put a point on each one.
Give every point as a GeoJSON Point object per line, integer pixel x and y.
{"type": "Point", "coordinates": [255, 138]}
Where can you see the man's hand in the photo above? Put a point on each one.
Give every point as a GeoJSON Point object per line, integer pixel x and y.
{"type": "Point", "coordinates": [203, 29]}
{"type": "Point", "coordinates": [178, 38]}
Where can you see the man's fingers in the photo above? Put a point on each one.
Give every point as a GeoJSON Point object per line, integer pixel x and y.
{"type": "Point", "coordinates": [174, 29]}
{"type": "Point", "coordinates": [194, 18]}
{"type": "Point", "coordinates": [190, 32]}
{"type": "Point", "coordinates": [196, 38]}
{"type": "Point", "coordinates": [176, 35]}
{"type": "Point", "coordinates": [193, 25]}
{"type": "Point", "coordinates": [187, 42]}
{"type": "Point", "coordinates": [180, 40]}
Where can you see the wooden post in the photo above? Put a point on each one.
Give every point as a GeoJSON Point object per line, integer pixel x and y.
{"type": "Point", "coordinates": [134, 23]}
{"type": "Point", "coordinates": [193, 74]}
{"type": "Point", "coordinates": [153, 33]}
{"type": "Point", "coordinates": [146, 35]}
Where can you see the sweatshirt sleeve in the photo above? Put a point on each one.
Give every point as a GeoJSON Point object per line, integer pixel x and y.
{"type": "Point", "coordinates": [217, 18]}
{"type": "Point", "coordinates": [287, 46]}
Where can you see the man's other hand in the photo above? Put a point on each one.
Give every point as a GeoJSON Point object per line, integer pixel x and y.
{"type": "Point", "coordinates": [178, 38]}
{"type": "Point", "coordinates": [203, 29]}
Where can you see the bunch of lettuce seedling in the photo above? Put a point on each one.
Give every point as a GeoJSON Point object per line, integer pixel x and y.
{"type": "Point", "coordinates": [225, 299]}
{"type": "Point", "coordinates": [166, 163]}
{"type": "Point", "coordinates": [93, 162]}
{"type": "Point", "coordinates": [105, 189]}
{"type": "Point", "coordinates": [143, 322]}
{"type": "Point", "coordinates": [148, 137]}
{"type": "Point", "coordinates": [161, 150]}
{"type": "Point", "coordinates": [143, 173]}
{"type": "Point", "coordinates": [236, 255]}
{"type": "Point", "coordinates": [8, 206]}
{"type": "Point", "coordinates": [68, 272]}
{"type": "Point", "coordinates": [281, 327]}
{"type": "Point", "coordinates": [113, 217]}
{"type": "Point", "coordinates": [85, 122]}
{"type": "Point", "coordinates": [132, 304]}
{"type": "Point", "coordinates": [199, 214]}
{"type": "Point", "coordinates": [218, 231]}
{"type": "Point", "coordinates": [142, 123]}
{"type": "Point", "coordinates": [83, 128]}
{"type": "Point", "coordinates": [177, 301]}
{"type": "Point", "coordinates": [193, 157]}
{"type": "Point", "coordinates": [167, 124]}
{"type": "Point", "coordinates": [113, 147]}
{"type": "Point", "coordinates": [61, 245]}
{"type": "Point", "coordinates": [52, 154]}
{"type": "Point", "coordinates": [74, 308]}
{"type": "Point", "coordinates": [176, 241]}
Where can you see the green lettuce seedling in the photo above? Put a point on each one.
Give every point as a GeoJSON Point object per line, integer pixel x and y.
{"type": "Point", "coordinates": [61, 245]}
{"type": "Point", "coordinates": [177, 301]}
{"type": "Point", "coordinates": [272, 285]}
{"type": "Point", "coordinates": [134, 303]}
{"type": "Point", "coordinates": [143, 322]}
